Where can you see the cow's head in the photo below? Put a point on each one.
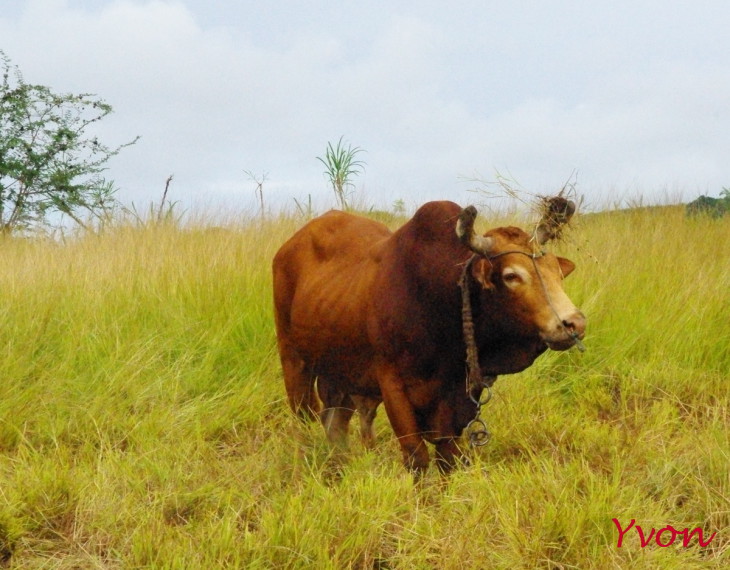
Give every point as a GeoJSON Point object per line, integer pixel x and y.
{"type": "Point", "coordinates": [521, 284]}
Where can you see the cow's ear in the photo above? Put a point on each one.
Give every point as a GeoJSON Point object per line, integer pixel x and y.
{"type": "Point", "coordinates": [566, 266]}
{"type": "Point", "coordinates": [482, 272]}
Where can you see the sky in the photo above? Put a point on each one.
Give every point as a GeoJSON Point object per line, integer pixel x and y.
{"type": "Point", "coordinates": [627, 100]}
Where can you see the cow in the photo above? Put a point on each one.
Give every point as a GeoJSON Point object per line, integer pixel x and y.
{"type": "Point", "coordinates": [364, 315]}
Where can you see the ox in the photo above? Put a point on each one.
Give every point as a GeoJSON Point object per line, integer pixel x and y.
{"type": "Point", "coordinates": [365, 315]}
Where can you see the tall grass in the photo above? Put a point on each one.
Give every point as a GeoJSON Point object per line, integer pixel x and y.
{"type": "Point", "coordinates": [143, 421]}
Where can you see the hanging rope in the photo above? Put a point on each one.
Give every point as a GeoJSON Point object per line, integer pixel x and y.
{"type": "Point", "coordinates": [478, 387]}
{"type": "Point", "coordinates": [473, 375]}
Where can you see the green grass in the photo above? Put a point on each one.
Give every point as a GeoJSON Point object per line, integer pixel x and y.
{"type": "Point", "coordinates": [143, 420]}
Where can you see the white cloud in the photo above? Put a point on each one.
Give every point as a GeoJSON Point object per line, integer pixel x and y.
{"type": "Point", "coordinates": [431, 92]}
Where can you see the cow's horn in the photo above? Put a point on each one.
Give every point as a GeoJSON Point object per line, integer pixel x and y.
{"type": "Point", "coordinates": [465, 232]}
{"type": "Point", "coordinates": [557, 214]}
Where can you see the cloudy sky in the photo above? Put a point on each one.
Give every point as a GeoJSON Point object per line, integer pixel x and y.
{"type": "Point", "coordinates": [633, 96]}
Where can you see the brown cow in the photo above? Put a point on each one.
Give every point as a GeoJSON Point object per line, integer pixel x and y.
{"type": "Point", "coordinates": [370, 315]}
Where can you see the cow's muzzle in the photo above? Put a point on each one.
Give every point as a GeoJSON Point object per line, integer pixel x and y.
{"type": "Point", "coordinates": [571, 331]}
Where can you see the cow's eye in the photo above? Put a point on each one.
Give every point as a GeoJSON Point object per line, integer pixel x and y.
{"type": "Point", "coordinates": [511, 278]}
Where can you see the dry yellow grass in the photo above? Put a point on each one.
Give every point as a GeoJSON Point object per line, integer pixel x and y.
{"type": "Point", "coordinates": [143, 420]}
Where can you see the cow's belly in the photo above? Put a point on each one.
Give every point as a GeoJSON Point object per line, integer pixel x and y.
{"type": "Point", "coordinates": [329, 313]}
{"type": "Point", "coordinates": [328, 331]}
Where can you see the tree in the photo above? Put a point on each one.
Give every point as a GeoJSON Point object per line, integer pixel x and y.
{"type": "Point", "coordinates": [709, 206]}
{"type": "Point", "coordinates": [725, 196]}
{"type": "Point", "coordinates": [48, 164]}
{"type": "Point", "coordinates": [259, 181]}
{"type": "Point", "coordinates": [340, 165]}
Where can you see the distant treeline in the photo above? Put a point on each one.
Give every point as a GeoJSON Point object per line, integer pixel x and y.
{"type": "Point", "coordinates": [713, 207]}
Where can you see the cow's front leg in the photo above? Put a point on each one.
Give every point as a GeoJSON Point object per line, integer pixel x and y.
{"type": "Point", "coordinates": [448, 455]}
{"type": "Point", "coordinates": [448, 452]}
{"type": "Point", "coordinates": [403, 420]}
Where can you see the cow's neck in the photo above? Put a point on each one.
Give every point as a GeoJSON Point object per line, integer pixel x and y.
{"type": "Point", "coordinates": [507, 355]}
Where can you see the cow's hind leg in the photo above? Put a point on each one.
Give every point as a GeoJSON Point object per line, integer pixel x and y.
{"type": "Point", "coordinates": [299, 383]}
{"type": "Point", "coordinates": [337, 412]}
{"type": "Point", "coordinates": [366, 409]}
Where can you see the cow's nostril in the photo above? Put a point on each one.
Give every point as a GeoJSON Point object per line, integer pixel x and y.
{"type": "Point", "coordinates": [575, 324]}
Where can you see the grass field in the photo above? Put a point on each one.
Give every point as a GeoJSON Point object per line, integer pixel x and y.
{"type": "Point", "coordinates": [143, 421]}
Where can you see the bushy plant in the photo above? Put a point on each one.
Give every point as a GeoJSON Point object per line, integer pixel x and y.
{"type": "Point", "coordinates": [340, 167]}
